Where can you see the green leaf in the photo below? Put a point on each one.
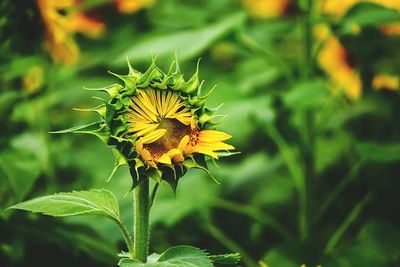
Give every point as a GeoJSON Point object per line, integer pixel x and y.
{"type": "Point", "coordinates": [232, 258]}
{"type": "Point", "coordinates": [181, 256]}
{"type": "Point", "coordinates": [379, 152]}
{"type": "Point", "coordinates": [306, 95]}
{"type": "Point", "coordinates": [136, 263]}
{"type": "Point", "coordinates": [331, 148]}
{"type": "Point", "coordinates": [367, 14]}
{"type": "Point", "coordinates": [224, 154]}
{"type": "Point", "coordinates": [18, 173]}
{"type": "Point", "coordinates": [382, 237]}
{"type": "Point", "coordinates": [93, 202]}
{"type": "Point", "coordinates": [187, 44]}
{"type": "Point", "coordinates": [185, 256]}
{"type": "Point", "coordinates": [129, 263]}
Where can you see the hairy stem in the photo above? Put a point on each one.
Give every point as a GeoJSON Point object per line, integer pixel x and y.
{"type": "Point", "coordinates": [127, 237]}
{"type": "Point", "coordinates": [141, 221]}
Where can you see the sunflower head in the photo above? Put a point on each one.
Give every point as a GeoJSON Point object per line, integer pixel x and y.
{"type": "Point", "coordinates": [157, 123]}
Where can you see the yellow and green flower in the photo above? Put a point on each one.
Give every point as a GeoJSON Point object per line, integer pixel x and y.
{"type": "Point", "coordinates": [158, 124]}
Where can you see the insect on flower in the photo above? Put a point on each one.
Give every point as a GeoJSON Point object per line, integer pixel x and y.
{"type": "Point", "coordinates": [158, 124]}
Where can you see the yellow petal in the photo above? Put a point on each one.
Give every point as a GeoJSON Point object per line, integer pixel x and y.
{"type": "Point", "coordinates": [145, 113]}
{"type": "Point", "coordinates": [183, 143]}
{"type": "Point", "coordinates": [154, 136]}
{"type": "Point", "coordinates": [184, 120]}
{"type": "Point", "coordinates": [206, 151]}
{"type": "Point", "coordinates": [164, 159]}
{"type": "Point", "coordinates": [213, 136]}
{"type": "Point", "coordinates": [215, 146]}
{"type": "Point", "coordinates": [146, 129]}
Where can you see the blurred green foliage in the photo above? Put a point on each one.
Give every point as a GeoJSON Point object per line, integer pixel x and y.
{"type": "Point", "coordinates": [315, 182]}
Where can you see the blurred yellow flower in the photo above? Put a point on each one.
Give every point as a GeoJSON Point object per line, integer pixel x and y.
{"type": "Point", "coordinates": [266, 8]}
{"type": "Point", "coordinates": [336, 8]}
{"type": "Point", "coordinates": [333, 59]}
{"type": "Point", "coordinates": [385, 81]}
{"type": "Point", "coordinates": [391, 29]}
{"type": "Point", "coordinates": [333, 8]}
{"type": "Point", "coordinates": [395, 4]}
{"type": "Point", "coordinates": [132, 6]}
{"type": "Point", "coordinates": [62, 20]}
{"type": "Point", "coordinates": [33, 79]}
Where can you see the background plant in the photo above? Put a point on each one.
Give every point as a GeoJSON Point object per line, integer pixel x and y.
{"type": "Point", "coordinates": [258, 64]}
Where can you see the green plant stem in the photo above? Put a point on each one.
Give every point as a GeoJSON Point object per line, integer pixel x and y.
{"type": "Point", "coordinates": [338, 190]}
{"type": "Point", "coordinates": [308, 64]}
{"type": "Point", "coordinates": [127, 237]}
{"type": "Point", "coordinates": [141, 221]}
{"type": "Point", "coordinates": [292, 162]}
{"type": "Point", "coordinates": [254, 213]}
{"type": "Point", "coordinates": [230, 244]}
{"type": "Point", "coordinates": [354, 213]}
{"type": "Point", "coordinates": [308, 150]}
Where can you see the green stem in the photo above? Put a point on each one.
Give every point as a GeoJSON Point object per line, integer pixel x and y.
{"type": "Point", "coordinates": [141, 221]}
{"type": "Point", "coordinates": [308, 64]}
{"type": "Point", "coordinates": [334, 194]}
{"type": "Point", "coordinates": [291, 159]}
{"type": "Point", "coordinates": [127, 237]}
{"type": "Point", "coordinates": [254, 213]}
{"type": "Point", "coordinates": [309, 144]}
{"type": "Point", "coordinates": [230, 244]}
{"type": "Point", "coordinates": [355, 212]}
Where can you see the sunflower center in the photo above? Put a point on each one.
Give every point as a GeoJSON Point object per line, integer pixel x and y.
{"type": "Point", "coordinates": [171, 139]}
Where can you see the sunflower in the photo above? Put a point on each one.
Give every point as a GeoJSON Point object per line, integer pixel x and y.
{"type": "Point", "coordinates": [158, 124]}
{"type": "Point", "coordinates": [166, 129]}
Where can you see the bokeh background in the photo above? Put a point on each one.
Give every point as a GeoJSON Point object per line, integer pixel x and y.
{"type": "Point", "coordinates": [311, 90]}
